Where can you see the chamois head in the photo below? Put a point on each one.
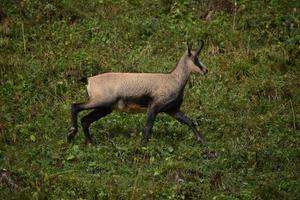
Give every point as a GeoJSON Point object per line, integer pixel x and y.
{"type": "Point", "coordinates": [193, 62]}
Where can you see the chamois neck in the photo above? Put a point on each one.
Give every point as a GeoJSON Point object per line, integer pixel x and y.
{"type": "Point", "coordinates": [181, 72]}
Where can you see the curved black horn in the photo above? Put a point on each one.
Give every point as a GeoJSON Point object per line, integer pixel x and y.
{"type": "Point", "coordinates": [189, 46]}
{"type": "Point", "coordinates": [200, 47]}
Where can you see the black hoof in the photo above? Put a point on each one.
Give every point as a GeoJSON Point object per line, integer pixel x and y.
{"type": "Point", "coordinates": [88, 142]}
{"type": "Point", "coordinates": [71, 134]}
{"type": "Point", "coordinates": [209, 154]}
{"type": "Point", "coordinates": [70, 137]}
{"type": "Point", "coordinates": [144, 141]}
{"type": "Point", "coordinates": [201, 140]}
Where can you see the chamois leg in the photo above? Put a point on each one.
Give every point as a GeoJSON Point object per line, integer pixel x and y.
{"type": "Point", "coordinates": [93, 116]}
{"type": "Point", "coordinates": [151, 114]}
{"type": "Point", "coordinates": [75, 109]}
{"type": "Point", "coordinates": [179, 116]}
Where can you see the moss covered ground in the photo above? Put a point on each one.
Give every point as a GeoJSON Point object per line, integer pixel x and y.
{"type": "Point", "coordinates": [247, 106]}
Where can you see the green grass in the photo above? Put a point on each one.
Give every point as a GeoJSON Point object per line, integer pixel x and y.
{"type": "Point", "coordinates": [247, 106]}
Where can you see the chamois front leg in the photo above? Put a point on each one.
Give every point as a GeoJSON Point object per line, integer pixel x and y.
{"type": "Point", "coordinates": [179, 116]}
{"type": "Point", "coordinates": [151, 114]}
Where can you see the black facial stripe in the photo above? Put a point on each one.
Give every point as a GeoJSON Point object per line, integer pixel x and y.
{"type": "Point", "coordinates": [197, 63]}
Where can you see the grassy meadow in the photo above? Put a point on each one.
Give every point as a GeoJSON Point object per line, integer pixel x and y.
{"type": "Point", "coordinates": [247, 106]}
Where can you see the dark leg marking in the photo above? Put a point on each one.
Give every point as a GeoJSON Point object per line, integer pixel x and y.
{"type": "Point", "coordinates": [75, 109]}
{"type": "Point", "coordinates": [93, 116]}
{"type": "Point", "coordinates": [179, 116]}
{"type": "Point", "coordinates": [151, 114]}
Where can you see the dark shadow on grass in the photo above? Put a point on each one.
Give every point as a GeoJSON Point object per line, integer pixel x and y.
{"type": "Point", "coordinates": [105, 133]}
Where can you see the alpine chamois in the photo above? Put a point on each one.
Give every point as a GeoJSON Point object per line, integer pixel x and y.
{"type": "Point", "coordinates": [151, 92]}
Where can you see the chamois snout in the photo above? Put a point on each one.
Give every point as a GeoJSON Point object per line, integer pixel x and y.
{"type": "Point", "coordinates": [194, 63]}
{"type": "Point", "coordinates": [200, 67]}
{"type": "Point", "coordinates": [203, 69]}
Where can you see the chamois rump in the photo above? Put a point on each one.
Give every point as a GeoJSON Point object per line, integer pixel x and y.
{"type": "Point", "coordinates": [150, 92]}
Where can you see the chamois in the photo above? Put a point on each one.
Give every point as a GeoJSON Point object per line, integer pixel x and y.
{"type": "Point", "coordinates": [150, 92]}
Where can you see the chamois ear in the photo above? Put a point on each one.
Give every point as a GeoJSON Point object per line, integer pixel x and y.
{"type": "Point", "coordinates": [201, 43]}
{"type": "Point", "coordinates": [189, 48]}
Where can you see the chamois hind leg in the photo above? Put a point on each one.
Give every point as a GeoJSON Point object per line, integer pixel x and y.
{"type": "Point", "coordinates": [75, 109]}
{"type": "Point", "coordinates": [93, 116]}
{"type": "Point", "coordinates": [179, 116]}
{"type": "Point", "coordinates": [151, 114]}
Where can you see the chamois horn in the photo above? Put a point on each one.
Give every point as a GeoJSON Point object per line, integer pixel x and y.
{"type": "Point", "coordinates": [201, 42]}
